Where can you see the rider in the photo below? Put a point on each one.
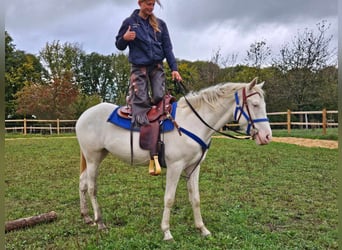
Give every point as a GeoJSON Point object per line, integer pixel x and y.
{"type": "Point", "coordinates": [149, 44]}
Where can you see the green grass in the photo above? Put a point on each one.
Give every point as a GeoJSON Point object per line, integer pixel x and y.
{"type": "Point", "coordinates": [278, 196]}
{"type": "Point", "coordinates": [331, 134]}
{"type": "Point", "coordinates": [22, 136]}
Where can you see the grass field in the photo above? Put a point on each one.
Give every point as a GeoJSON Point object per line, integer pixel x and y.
{"type": "Point", "coordinates": [278, 196]}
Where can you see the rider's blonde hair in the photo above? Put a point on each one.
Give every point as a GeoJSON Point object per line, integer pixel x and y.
{"type": "Point", "coordinates": [153, 19]}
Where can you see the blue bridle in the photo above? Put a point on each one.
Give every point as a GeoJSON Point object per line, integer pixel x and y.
{"type": "Point", "coordinates": [239, 111]}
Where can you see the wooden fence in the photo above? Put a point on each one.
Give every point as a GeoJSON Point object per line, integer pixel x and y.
{"type": "Point", "coordinates": [301, 119]}
{"type": "Point", "coordinates": [289, 119]}
{"type": "Point", "coordinates": [33, 126]}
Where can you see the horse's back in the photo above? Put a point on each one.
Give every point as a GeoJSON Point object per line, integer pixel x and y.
{"type": "Point", "coordinates": [94, 116]}
{"type": "Point", "coordinates": [93, 122]}
{"type": "Point", "coordinates": [100, 110]}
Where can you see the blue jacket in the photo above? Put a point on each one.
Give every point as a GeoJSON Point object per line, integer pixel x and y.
{"type": "Point", "coordinates": [148, 47]}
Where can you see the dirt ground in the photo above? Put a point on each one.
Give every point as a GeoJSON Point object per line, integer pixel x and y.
{"type": "Point", "coordinates": [307, 142]}
{"type": "Point", "coordinates": [304, 142]}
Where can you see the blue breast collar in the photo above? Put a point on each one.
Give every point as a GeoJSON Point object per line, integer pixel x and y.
{"type": "Point", "coordinates": [195, 138]}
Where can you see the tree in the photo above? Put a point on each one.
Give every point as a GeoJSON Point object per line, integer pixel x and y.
{"type": "Point", "coordinates": [20, 70]}
{"type": "Point", "coordinates": [274, 89]}
{"type": "Point", "coordinates": [328, 92]}
{"type": "Point", "coordinates": [258, 54]}
{"type": "Point", "coordinates": [96, 76]}
{"type": "Point", "coordinates": [310, 52]}
{"type": "Point", "coordinates": [189, 75]}
{"type": "Point", "coordinates": [83, 102]}
{"type": "Point", "coordinates": [208, 73]}
{"type": "Point", "coordinates": [52, 95]}
{"type": "Point", "coordinates": [48, 101]}
{"type": "Point", "coordinates": [61, 60]}
{"type": "Point", "coordinates": [121, 74]}
{"type": "Point", "coordinates": [223, 61]}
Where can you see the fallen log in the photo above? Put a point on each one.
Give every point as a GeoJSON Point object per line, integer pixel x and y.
{"type": "Point", "coordinates": [30, 221]}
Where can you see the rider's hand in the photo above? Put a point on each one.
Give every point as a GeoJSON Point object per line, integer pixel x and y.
{"type": "Point", "coordinates": [176, 76]}
{"type": "Point", "coordinates": [129, 35]}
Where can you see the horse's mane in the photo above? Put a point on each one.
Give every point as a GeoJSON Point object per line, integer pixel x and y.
{"type": "Point", "coordinates": [211, 94]}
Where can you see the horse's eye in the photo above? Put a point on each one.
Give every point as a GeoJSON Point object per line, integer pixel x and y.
{"type": "Point", "coordinates": [255, 104]}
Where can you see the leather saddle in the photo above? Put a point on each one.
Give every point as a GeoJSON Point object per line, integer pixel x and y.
{"type": "Point", "coordinates": [150, 133]}
{"type": "Point", "coordinates": [157, 112]}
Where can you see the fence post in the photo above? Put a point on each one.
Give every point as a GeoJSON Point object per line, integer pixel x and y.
{"type": "Point", "coordinates": [324, 121]}
{"type": "Point", "coordinates": [289, 121]}
{"type": "Point", "coordinates": [58, 126]}
{"type": "Point", "coordinates": [25, 125]}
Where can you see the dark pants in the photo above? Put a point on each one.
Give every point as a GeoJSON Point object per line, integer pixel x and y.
{"type": "Point", "coordinates": [145, 79]}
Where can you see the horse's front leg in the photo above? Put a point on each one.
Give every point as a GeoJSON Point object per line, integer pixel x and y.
{"type": "Point", "coordinates": [172, 178]}
{"type": "Point", "coordinates": [194, 198]}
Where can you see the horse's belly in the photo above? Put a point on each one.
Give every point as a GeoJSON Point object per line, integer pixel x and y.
{"type": "Point", "coordinates": [118, 143]}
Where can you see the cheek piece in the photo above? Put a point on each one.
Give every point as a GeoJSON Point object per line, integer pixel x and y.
{"type": "Point", "coordinates": [239, 112]}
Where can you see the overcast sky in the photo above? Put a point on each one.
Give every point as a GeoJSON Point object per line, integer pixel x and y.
{"type": "Point", "coordinates": [198, 28]}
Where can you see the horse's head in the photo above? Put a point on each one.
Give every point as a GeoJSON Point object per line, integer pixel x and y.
{"type": "Point", "coordinates": [251, 114]}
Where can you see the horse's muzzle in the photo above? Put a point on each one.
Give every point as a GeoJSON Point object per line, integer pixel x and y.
{"type": "Point", "coordinates": [260, 137]}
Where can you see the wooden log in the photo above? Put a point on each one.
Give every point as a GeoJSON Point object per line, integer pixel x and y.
{"type": "Point", "coordinates": [30, 221]}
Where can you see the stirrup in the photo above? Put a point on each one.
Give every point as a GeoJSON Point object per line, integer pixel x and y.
{"type": "Point", "coordinates": [154, 167]}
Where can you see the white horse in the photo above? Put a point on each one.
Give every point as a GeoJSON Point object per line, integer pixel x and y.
{"type": "Point", "coordinates": [215, 106]}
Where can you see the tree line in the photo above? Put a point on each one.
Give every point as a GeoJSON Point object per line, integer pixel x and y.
{"type": "Point", "coordinates": [62, 80]}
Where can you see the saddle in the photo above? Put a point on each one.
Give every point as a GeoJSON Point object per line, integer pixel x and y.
{"type": "Point", "coordinates": [157, 112]}
{"type": "Point", "coordinates": [150, 133]}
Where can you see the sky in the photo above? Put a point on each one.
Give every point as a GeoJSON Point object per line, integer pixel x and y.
{"type": "Point", "coordinates": [198, 28]}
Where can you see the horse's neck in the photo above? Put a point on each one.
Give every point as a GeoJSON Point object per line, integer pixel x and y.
{"type": "Point", "coordinates": [216, 118]}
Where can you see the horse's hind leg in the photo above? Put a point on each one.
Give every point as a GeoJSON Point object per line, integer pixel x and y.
{"type": "Point", "coordinates": [83, 189]}
{"type": "Point", "coordinates": [194, 198]}
{"type": "Point", "coordinates": [92, 191]}
{"type": "Point", "coordinates": [83, 201]}
{"type": "Point", "coordinates": [88, 181]}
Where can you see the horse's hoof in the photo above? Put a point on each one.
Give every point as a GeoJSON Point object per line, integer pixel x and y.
{"type": "Point", "coordinates": [169, 239]}
{"type": "Point", "coordinates": [205, 232]}
{"type": "Point", "coordinates": [88, 220]}
{"type": "Point", "coordinates": [168, 236]}
{"type": "Point", "coordinates": [101, 227]}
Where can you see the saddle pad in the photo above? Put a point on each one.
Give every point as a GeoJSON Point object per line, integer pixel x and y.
{"type": "Point", "coordinates": [126, 122]}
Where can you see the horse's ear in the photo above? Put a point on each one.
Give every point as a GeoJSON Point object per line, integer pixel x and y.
{"type": "Point", "coordinates": [261, 84]}
{"type": "Point", "coordinates": [253, 83]}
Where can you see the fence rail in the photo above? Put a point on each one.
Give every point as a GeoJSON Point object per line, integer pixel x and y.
{"type": "Point", "coordinates": [324, 118]}
{"type": "Point", "coordinates": [39, 126]}
{"type": "Point", "coordinates": [302, 119]}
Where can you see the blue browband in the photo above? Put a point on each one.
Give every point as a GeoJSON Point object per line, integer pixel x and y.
{"type": "Point", "coordinates": [247, 115]}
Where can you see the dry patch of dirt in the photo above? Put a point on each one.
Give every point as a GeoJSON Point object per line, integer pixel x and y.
{"type": "Point", "coordinates": [307, 142]}
{"type": "Point", "coordinates": [303, 142]}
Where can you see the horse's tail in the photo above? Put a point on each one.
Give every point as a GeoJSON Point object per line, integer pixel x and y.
{"type": "Point", "coordinates": [83, 164]}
